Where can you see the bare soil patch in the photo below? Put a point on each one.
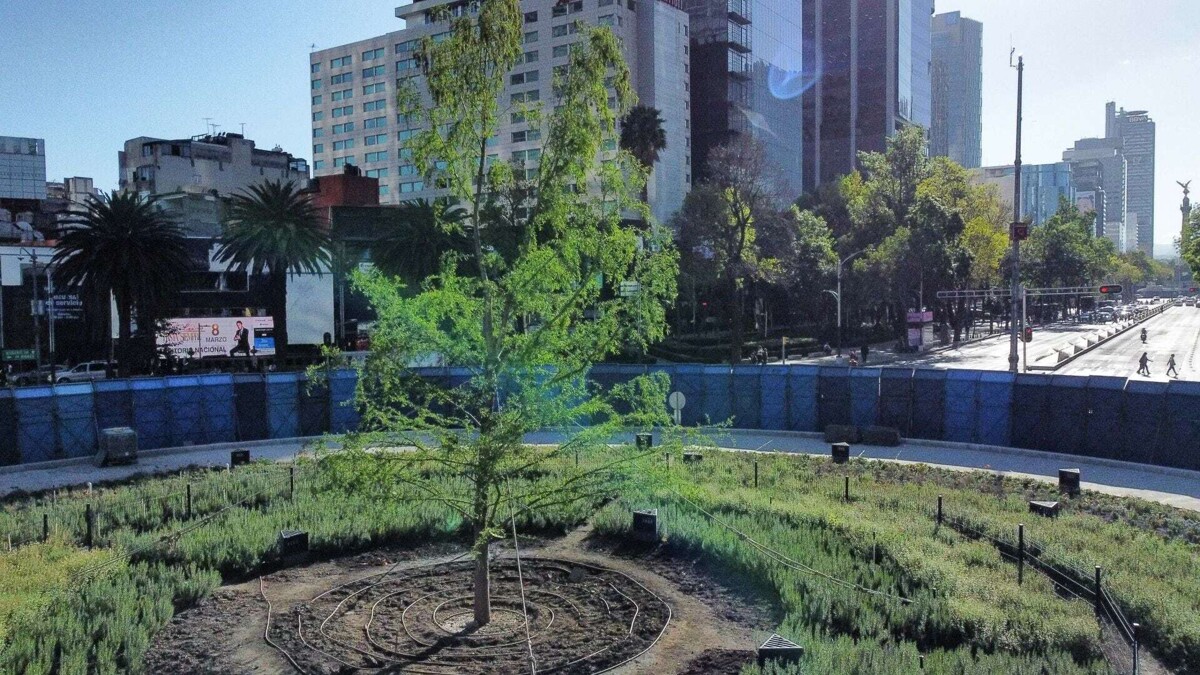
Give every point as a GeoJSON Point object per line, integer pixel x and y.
{"type": "Point", "coordinates": [590, 607]}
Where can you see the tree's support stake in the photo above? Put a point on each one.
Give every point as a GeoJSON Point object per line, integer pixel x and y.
{"type": "Point", "coordinates": [939, 517]}
{"type": "Point", "coordinates": [1099, 594]}
{"type": "Point", "coordinates": [1020, 553]}
{"type": "Point", "coordinates": [846, 489]}
{"type": "Point", "coordinates": [291, 482]}
{"type": "Point", "coordinates": [45, 527]}
{"type": "Point", "coordinates": [188, 501]}
{"type": "Point", "coordinates": [88, 524]}
{"type": "Point", "coordinates": [756, 474]}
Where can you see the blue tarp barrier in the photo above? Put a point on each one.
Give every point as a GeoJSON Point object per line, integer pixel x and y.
{"type": "Point", "coordinates": [76, 419]}
{"type": "Point", "coordinates": [802, 398]}
{"type": "Point", "coordinates": [37, 432]}
{"type": "Point", "coordinates": [833, 397]}
{"type": "Point", "coordinates": [114, 403]}
{"type": "Point", "coordinates": [864, 396]}
{"type": "Point", "coordinates": [343, 414]}
{"type": "Point", "coordinates": [1144, 432]}
{"type": "Point", "coordinates": [773, 404]}
{"type": "Point", "coordinates": [994, 403]}
{"type": "Point", "coordinates": [928, 404]}
{"type": "Point", "coordinates": [10, 451]}
{"type": "Point", "coordinates": [689, 380]}
{"type": "Point", "coordinates": [746, 396]}
{"type": "Point", "coordinates": [217, 401]}
{"type": "Point", "coordinates": [717, 382]}
{"type": "Point", "coordinates": [1105, 417]}
{"type": "Point", "coordinates": [152, 414]}
{"type": "Point", "coordinates": [1182, 445]}
{"type": "Point", "coordinates": [962, 406]}
{"type": "Point", "coordinates": [250, 407]}
{"type": "Point", "coordinates": [896, 399]}
{"type": "Point", "coordinates": [1031, 411]}
{"type": "Point", "coordinates": [187, 409]}
{"type": "Point", "coordinates": [1066, 413]}
{"type": "Point", "coordinates": [283, 404]}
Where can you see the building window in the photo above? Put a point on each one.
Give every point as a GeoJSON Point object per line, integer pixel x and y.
{"type": "Point", "coordinates": [317, 99]}
{"type": "Point", "coordinates": [526, 96]}
{"type": "Point", "coordinates": [372, 54]}
{"type": "Point", "coordinates": [342, 78]}
{"type": "Point", "coordinates": [415, 186]}
{"type": "Point", "coordinates": [528, 57]}
{"type": "Point", "coordinates": [407, 170]}
{"type": "Point", "coordinates": [565, 29]}
{"type": "Point", "coordinates": [318, 165]}
{"type": "Point", "coordinates": [406, 134]}
{"type": "Point", "coordinates": [406, 46]}
{"type": "Point", "coordinates": [406, 65]}
{"type": "Point", "coordinates": [344, 111]}
{"type": "Point", "coordinates": [375, 123]}
{"type": "Point", "coordinates": [405, 154]}
{"type": "Point", "coordinates": [342, 95]}
{"type": "Point", "coordinates": [561, 51]}
{"type": "Point", "coordinates": [318, 132]}
{"type": "Point", "coordinates": [318, 116]}
{"type": "Point", "coordinates": [606, 20]}
{"type": "Point", "coordinates": [341, 62]}
{"type": "Point", "coordinates": [316, 84]}
{"type": "Point", "coordinates": [318, 148]}
{"type": "Point", "coordinates": [374, 71]}
{"type": "Point", "coordinates": [383, 190]}
{"type": "Point", "coordinates": [605, 3]}
{"type": "Point", "coordinates": [523, 78]}
{"type": "Point", "coordinates": [343, 128]}
{"type": "Point", "coordinates": [343, 161]}
{"type": "Point", "coordinates": [530, 17]}
{"type": "Point", "coordinates": [376, 157]}
{"type": "Point", "coordinates": [377, 88]}
{"type": "Point", "coordinates": [531, 155]}
{"type": "Point", "coordinates": [517, 118]}
{"type": "Point", "coordinates": [408, 119]}
{"type": "Point", "coordinates": [376, 173]}
{"type": "Point", "coordinates": [523, 136]}
{"type": "Point", "coordinates": [370, 106]}
{"type": "Point", "coordinates": [314, 68]}
{"type": "Point", "coordinates": [377, 139]}
{"type": "Point", "coordinates": [347, 144]}
{"type": "Point", "coordinates": [530, 36]}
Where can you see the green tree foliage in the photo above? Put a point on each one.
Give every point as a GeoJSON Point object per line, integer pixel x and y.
{"type": "Point", "coordinates": [123, 245]}
{"type": "Point", "coordinates": [418, 234]}
{"type": "Point", "coordinates": [273, 228]}
{"type": "Point", "coordinates": [642, 134]}
{"type": "Point", "coordinates": [1189, 245]}
{"type": "Point", "coordinates": [1063, 252]}
{"type": "Point", "coordinates": [553, 278]}
{"type": "Point", "coordinates": [719, 227]}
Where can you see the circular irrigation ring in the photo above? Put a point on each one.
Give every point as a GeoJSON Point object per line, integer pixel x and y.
{"type": "Point", "coordinates": [557, 616]}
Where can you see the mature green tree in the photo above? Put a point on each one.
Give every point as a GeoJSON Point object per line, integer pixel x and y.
{"type": "Point", "coordinates": [642, 135]}
{"type": "Point", "coordinates": [719, 222]}
{"type": "Point", "coordinates": [416, 236]}
{"type": "Point", "coordinates": [125, 246]}
{"type": "Point", "coordinates": [802, 244]}
{"type": "Point", "coordinates": [273, 229]}
{"type": "Point", "coordinates": [1064, 252]}
{"type": "Point", "coordinates": [1189, 245]}
{"type": "Point", "coordinates": [576, 283]}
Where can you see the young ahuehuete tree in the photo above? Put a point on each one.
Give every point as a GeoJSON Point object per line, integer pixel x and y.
{"type": "Point", "coordinates": [560, 273]}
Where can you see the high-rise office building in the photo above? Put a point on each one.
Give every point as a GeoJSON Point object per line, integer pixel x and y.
{"type": "Point", "coordinates": [1136, 130]}
{"type": "Point", "coordinates": [355, 119]}
{"type": "Point", "coordinates": [749, 79]}
{"type": "Point", "coordinates": [870, 60]}
{"type": "Point", "coordinates": [956, 125]}
{"type": "Point", "coordinates": [1042, 187]}
{"type": "Point", "coordinates": [1098, 172]}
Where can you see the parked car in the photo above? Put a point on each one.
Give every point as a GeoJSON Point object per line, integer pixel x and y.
{"type": "Point", "coordinates": [36, 376]}
{"type": "Point", "coordinates": [84, 372]}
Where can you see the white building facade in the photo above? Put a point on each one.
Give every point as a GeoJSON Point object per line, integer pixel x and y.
{"type": "Point", "coordinates": [355, 118]}
{"type": "Point", "coordinates": [226, 163]}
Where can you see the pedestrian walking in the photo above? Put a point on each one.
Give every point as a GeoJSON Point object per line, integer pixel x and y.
{"type": "Point", "coordinates": [1143, 364]}
{"type": "Point", "coordinates": [853, 360]}
{"type": "Point", "coordinates": [1171, 367]}
{"type": "Point", "coordinates": [865, 350]}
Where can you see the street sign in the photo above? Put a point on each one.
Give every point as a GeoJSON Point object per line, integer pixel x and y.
{"type": "Point", "coordinates": [19, 355]}
{"type": "Point", "coordinates": [1020, 231]}
{"type": "Point", "coordinates": [630, 288]}
{"type": "Point", "coordinates": [677, 400]}
{"type": "Point", "coordinates": [66, 306]}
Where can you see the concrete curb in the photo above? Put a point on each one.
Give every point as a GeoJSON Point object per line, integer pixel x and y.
{"type": "Point", "coordinates": [159, 452]}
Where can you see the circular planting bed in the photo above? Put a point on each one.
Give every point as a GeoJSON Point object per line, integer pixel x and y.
{"type": "Point", "coordinates": [573, 617]}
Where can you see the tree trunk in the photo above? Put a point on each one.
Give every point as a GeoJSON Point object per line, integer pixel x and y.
{"type": "Point", "coordinates": [483, 587]}
{"type": "Point", "coordinates": [278, 295]}
{"type": "Point", "coordinates": [124, 338]}
{"type": "Point", "coordinates": [736, 312]}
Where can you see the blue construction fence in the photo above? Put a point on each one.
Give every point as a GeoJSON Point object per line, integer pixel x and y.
{"type": "Point", "coordinates": [1110, 417]}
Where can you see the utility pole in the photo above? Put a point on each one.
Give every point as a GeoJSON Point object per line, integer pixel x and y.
{"type": "Point", "coordinates": [1017, 230]}
{"type": "Point", "coordinates": [37, 312]}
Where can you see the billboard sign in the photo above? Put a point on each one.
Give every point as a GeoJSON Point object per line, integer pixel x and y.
{"type": "Point", "coordinates": [66, 306]}
{"type": "Point", "coordinates": [199, 337]}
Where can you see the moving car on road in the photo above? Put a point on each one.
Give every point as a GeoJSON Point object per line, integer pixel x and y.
{"type": "Point", "coordinates": [84, 372]}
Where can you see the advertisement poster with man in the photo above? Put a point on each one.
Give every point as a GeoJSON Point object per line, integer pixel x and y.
{"type": "Point", "coordinates": [236, 336]}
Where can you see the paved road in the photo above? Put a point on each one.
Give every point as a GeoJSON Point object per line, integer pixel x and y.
{"type": "Point", "coordinates": [1174, 487]}
{"type": "Point", "coordinates": [1175, 331]}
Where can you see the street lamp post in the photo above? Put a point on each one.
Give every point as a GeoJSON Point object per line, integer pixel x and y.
{"type": "Point", "coordinates": [1015, 228]}
{"type": "Point", "coordinates": [838, 295]}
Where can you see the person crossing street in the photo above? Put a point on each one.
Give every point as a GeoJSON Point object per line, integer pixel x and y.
{"type": "Point", "coordinates": [1143, 364]}
{"type": "Point", "coordinates": [1171, 367]}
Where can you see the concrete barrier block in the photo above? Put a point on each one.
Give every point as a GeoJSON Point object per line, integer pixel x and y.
{"type": "Point", "coordinates": [877, 435]}
{"type": "Point", "coordinates": [841, 433]}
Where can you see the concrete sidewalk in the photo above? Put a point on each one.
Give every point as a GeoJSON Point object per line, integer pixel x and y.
{"type": "Point", "coordinates": [1175, 487]}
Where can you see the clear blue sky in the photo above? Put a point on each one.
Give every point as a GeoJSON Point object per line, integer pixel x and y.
{"type": "Point", "coordinates": [87, 75]}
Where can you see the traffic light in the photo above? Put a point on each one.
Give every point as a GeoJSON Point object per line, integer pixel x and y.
{"type": "Point", "coordinates": [1029, 333]}
{"type": "Point", "coordinates": [1193, 289]}
{"type": "Point", "coordinates": [1110, 289]}
{"type": "Point", "coordinates": [1019, 231]}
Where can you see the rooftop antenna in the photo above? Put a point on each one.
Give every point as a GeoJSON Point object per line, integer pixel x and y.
{"type": "Point", "coordinates": [207, 124]}
{"type": "Point", "coordinates": [243, 125]}
{"type": "Point", "coordinates": [312, 47]}
{"type": "Point", "coordinates": [215, 127]}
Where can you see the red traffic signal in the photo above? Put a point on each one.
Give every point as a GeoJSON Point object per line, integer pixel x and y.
{"type": "Point", "coordinates": [1193, 289]}
{"type": "Point", "coordinates": [1019, 231]}
{"type": "Point", "coordinates": [1029, 333]}
{"type": "Point", "coordinates": [1113, 288]}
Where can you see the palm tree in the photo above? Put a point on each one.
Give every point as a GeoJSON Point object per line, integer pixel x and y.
{"type": "Point", "coordinates": [642, 134]}
{"type": "Point", "coordinates": [124, 246]}
{"type": "Point", "coordinates": [418, 233]}
{"type": "Point", "coordinates": [273, 228]}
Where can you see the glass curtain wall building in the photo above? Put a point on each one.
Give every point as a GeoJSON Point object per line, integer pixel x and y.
{"type": "Point", "coordinates": [956, 125]}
